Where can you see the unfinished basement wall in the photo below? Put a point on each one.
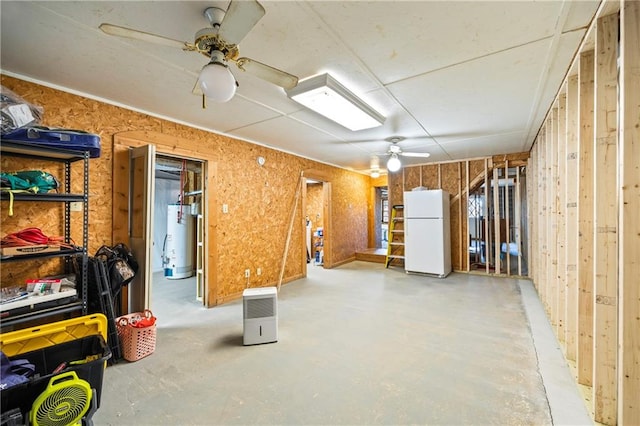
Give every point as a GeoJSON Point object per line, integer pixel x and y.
{"type": "Point", "coordinates": [458, 178]}
{"type": "Point", "coordinates": [259, 198]}
{"type": "Point", "coordinates": [584, 192]}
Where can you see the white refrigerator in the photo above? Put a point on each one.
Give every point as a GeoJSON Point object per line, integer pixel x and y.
{"type": "Point", "coordinates": [427, 241]}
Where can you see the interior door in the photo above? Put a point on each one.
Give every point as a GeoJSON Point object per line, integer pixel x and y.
{"type": "Point", "coordinates": [141, 199]}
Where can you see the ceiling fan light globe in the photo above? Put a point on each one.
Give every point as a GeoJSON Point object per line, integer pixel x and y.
{"type": "Point", "coordinates": [394, 164]}
{"type": "Point", "coordinates": [375, 174]}
{"type": "Point", "coordinates": [217, 83]}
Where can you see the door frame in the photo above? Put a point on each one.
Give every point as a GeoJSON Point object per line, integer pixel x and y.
{"type": "Point", "coordinates": [176, 147]}
{"type": "Point", "coordinates": [323, 177]}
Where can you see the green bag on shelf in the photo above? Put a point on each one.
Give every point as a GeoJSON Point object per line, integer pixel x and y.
{"type": "Point", "coordinates": [35, 181]}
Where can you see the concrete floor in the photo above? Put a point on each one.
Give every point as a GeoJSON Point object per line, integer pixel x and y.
{"type": "Point", "coordinates": [359, 344]}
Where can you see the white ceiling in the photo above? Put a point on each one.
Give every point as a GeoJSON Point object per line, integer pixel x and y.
{"type": "Point", "coordinates": [456, 79]}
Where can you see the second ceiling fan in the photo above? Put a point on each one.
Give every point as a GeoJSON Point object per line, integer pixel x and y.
{"type": "Point", "coordinates": [394, 164]}
{"type": "Point", "coordinates": [219, 43]}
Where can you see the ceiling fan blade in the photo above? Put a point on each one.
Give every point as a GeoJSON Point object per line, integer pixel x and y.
{"type": "Point", "coordinates": [116, 30]}
{"type": "Point", "coordinates": [197, 90]}
{"type": "Point", "coordinates": [268, 73]}
{"type": "Point", "coordinates": [415, 154]}
{"type": "Point", "coordinates": [241, 16]}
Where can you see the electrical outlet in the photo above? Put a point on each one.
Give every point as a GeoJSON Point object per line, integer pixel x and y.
{"type": "Point", "coordinates": [225, 208]}
{"type": "Point", "coordinates": [247, 273]}
{"type": "Point", "coordinates": [76, 206]}
{"type": "Point", "coordinates": [259, 271]}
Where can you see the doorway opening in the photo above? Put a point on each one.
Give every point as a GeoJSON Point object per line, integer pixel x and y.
{"type": "Point", "coordinates": [381, 217]}
{"type": "Point", "coordinates": [177, 238]}
{"type": "Point", "coordinates": [314, 220]}
{"type": "Point", "coordinates": [316, 211]}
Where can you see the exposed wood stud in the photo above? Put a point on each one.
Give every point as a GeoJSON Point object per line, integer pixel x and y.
{"type": "Point", "coordinates": [461, 248]}
{"type": "Point", "coordinates": [605, 218]}
{"type": "Point", "coordinates": [560, 204]}
{"type": "Point", "coordinates": [518, 218]}
{"type": "Point", "coordinates": [542, 218]}
{"type": "Point", "coordinates": [571, 231]}
{"type": "Point", "coordinates": [552, 230]}
{"type": "Point", "coordinates": [467, 234]}
{"type": "Point", "coordinates": [507, 213]}
{"type": "Point", "coordinates": [584, 357]}
{"type": "Point", "coordinates": [629, 219]}
{"type": "Point", "coordinates": [486, 215]}
{"type": "Point", "coordinates": [496, 220]}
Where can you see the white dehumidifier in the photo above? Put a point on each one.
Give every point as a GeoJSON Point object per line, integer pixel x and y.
{"type": "Point", "coordinates": [260, 315]}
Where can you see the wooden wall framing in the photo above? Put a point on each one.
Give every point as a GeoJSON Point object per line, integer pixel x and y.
{"type": "Point", "coordinates": [459, 178]}
{"type": "Point", "coordinates": [596, 193]}
{"type": "Point", "coordinates": [629, 224]}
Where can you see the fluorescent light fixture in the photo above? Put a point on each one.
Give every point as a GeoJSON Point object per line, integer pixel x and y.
{"type": "Point", "coordinates": [326, 96]}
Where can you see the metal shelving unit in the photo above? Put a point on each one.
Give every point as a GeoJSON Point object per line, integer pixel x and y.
{"type": "Point", "coordinates": [66, 157]}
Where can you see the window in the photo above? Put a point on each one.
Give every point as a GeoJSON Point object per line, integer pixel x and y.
{"type": "Point", "coordinates": [385, 210]}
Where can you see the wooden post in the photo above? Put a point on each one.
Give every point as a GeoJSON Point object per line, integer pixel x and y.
{"type": "Point", "coordinates": [496, 220]}
{"type": "Point", "coordinates": [461, 249]}
{"type": "Point", "coordinates": [507, 212]}
{"type": "Point", "coordinates": [571, 247]}
{"type": "Point", "coordinates": [486, 214]}
{"type": "Point", "coordinates": [542, 219]}
{"type": "Point", "coordinates": [605, 221]}
{"type": "Point", "coordinates": [532, 214]}
{"type": "Point", "coordinates": [560, 216]}
{"type": "Point", "coordinates": [629, 219]}
{"type": "Point", "coordinates": [518, 218]}
{"type": "Point", "coordinates": [552, 231]}
{"type": "Point", "coordinates": [584, 356]}
{"type": "Point", "coordinates": [533, 178]}
{"type": "Point", "coordinates": [468, 236]}
{"type": "Point", "coordinates": [294, 206]}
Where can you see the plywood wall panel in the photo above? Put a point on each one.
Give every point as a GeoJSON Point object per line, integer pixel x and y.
{"type": "Point", "coordinates": [314, 204]}
{"type": "Point", "coordinates": [430, 176]}
{"type": "Point", "coordinates": [412, 178]}
{"type": "Point", "coordinates": [396, 189]}
{"type": "Point", "coordinates": [253, 234]}
{"type": "Point", "coordinates": [476, 168]}
{"type": "Point", "coordinates": [450, 178]}
{"type": "Point", "coordinates": [351, 200]}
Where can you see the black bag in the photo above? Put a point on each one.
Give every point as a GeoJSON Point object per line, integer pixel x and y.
{"type": "Point", "coordinates": [122, 266]}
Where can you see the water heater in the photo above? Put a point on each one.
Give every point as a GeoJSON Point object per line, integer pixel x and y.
{"type": "Point", "coordinates": [178, 252]}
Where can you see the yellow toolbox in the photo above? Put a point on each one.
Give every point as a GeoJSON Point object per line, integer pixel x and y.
{"type": "Point", "coordinates": [76, 345]}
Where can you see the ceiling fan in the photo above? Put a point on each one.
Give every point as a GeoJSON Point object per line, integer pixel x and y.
{"type": "Point", "coordinates": [219, 43]}
{"type": "Point", "coordinates": [394, 164]}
